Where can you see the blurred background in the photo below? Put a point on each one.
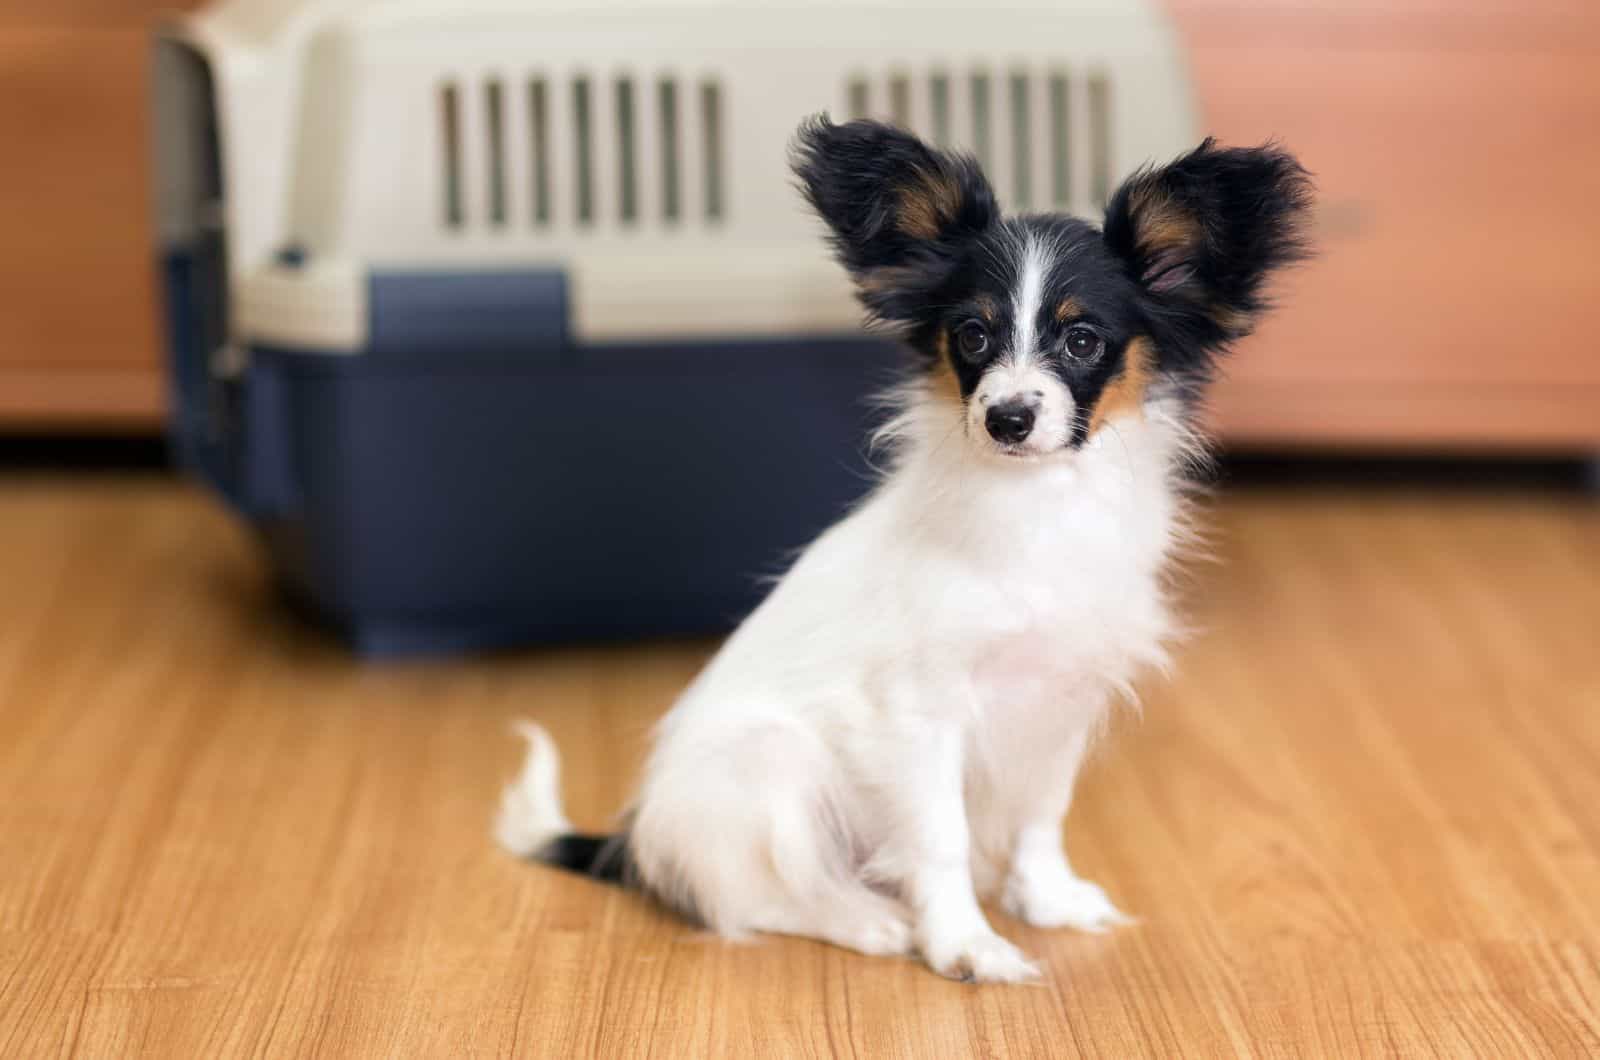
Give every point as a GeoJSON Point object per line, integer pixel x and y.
{"type": "Point", "coordinates": [371, 268]}
{"type": "Point", "coordinates": [1455, 143]}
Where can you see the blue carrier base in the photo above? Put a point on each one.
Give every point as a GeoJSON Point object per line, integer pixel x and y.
{"type": "Point", "coordinates": [472, 479]}
{"type": "Point", "coordinates": [492, 502]}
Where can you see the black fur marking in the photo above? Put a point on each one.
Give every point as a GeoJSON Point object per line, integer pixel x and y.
{"type": "Point", "coordinates": [1243, 210]}
{"type": "Point", "coordinates": [857, 177]}
{"type": "Point", "coordinates": [602, 857]}
{"type": "Point", "coordinates": [1183, 258]}
{"type": "Point", "coordinates": [608, 858]}
{"type": "Point", "coordinates": [1078, 266]}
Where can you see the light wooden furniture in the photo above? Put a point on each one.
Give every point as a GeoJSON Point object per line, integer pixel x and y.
{"type": "Point", "coordinates": [78, 313]}
{"type": "Point", "coordinates": [1455, 301]}
{"type": "Point", "coordinates": [1363, 819]}
{"type": "Point", "coordinates": [1456, 146]}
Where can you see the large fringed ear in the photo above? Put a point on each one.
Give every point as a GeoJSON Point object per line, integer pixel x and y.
{"type": "Point", "coordinates": [901, 213]}
{"type": "Point", "coordinates": [1203, 234]}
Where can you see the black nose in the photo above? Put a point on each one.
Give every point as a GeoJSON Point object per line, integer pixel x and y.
{"type": "Point", "coordinates": [1009, 423]}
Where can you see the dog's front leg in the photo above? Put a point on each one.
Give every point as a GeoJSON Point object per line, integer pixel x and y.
{"type": "Point", "coordinates": [1041, 887]}
{"type": "Point", "coordinates": [930, 852]}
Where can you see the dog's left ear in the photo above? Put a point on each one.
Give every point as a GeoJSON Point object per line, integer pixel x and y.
{"type": "Point", "coordinates": [1202, 235]}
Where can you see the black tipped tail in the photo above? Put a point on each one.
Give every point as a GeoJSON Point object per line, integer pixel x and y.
{"type": "Point", "coordinates": [602, 857]}
{"type": "Point", "coordinates": [531, 823]}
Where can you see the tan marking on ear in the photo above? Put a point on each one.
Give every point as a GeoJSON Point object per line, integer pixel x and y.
{"type": "Point", "coordinates": [1068, 309]}
{"type": "Point", "coordinates": [882, 279]}
{"type": "Point", "coordinates": [876, 281]}
{"type": "Point", "coordinates": [1233, 321]}
{"type": "Point", "coordinates": [928, 204]}
{"type": "Point", "coordinates": [1126, 392]}
{"type": "Point", "coordinates": [1158, 222]}
{"type": "Point", "coordinates": [1167, 229]}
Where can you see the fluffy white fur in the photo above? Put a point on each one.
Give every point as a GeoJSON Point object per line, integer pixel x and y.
{"type": "Point", "coordinates": [896, 730]}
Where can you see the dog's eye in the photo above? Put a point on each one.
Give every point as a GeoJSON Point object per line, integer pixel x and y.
{"type": "Point", "coordinates": [972, 340]}
{"type": "Point", "coordinates": [1083, 344]}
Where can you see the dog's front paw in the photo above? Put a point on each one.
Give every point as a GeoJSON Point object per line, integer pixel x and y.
{"type": "Point", "coordinates": [985, 958]}
{"type": "Point", "coordinates": [1066, 901]}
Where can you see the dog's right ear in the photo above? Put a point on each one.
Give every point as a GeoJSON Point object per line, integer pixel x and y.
{"type": "Point", "coordinates": [903, 215]}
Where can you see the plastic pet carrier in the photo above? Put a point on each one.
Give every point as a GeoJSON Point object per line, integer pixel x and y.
{"type": "Point", "coordinates": [503, 322]}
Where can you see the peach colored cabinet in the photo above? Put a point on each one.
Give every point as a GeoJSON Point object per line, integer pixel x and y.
{"type": "Point", "coordinates": [1456, 298]}
{"type": "Point", "coordinates": [1456, 142]}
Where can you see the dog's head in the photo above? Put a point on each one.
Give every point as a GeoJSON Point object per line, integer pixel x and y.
{"type": "Point", "coordinates": [1044, 327]}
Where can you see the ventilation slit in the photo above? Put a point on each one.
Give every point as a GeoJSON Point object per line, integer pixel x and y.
{"type": "Point", "coordinates": [667, 94]}
{"type": "Point", "coordinates": [981, 139]}
{"type": "Point", "coordinates": [627, 189]}
{"type": "Point", "coordinates": [900, 101]}
{"type": "Point", "coordinates": [1100, 138]}
{"type": "Point", "coordinates": [583, 150]}
{"type": "Point", "coordinates": [711, 128]}
{"type": "Point", "coordinates": [539, 145]}
{"type": "Point", "coordinates": [1060, 138]}
{"type": "Point", "coordinates": [1021, 152]}
{"type": "Point", "coordinates": [494, 116]}
{"type": "Point", "coordinates": [450, 118]}
{"type": "Point", "coordinates": [939, 104]}
{"type": "Point", "coordinates": [860, 99]}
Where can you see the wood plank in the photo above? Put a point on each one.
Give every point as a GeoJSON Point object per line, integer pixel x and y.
{"type": "Point", "coordinates": [1362, 819]}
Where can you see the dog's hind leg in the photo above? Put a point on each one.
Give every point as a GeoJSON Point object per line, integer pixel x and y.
{"type": "Point", "coordinates": [855, 918]}
{"type": "Point", "coordinates": [814, 865]}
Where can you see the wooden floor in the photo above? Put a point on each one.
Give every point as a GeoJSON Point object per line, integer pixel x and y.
{"type": "Point", "coordinates": [1363, 818]}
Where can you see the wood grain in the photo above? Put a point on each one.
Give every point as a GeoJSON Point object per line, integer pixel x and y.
{"type": "Point", "coordinates": [1363, 820]}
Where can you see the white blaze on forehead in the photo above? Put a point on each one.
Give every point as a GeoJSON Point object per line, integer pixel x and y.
{"type": "Point", "coordinates": [1027, 298]}
{"type": "Point", "coordinates": [1020, 375]}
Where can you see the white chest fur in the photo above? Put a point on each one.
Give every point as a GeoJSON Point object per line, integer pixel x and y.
{"type": "Point", "coordinates": [1037, 578]}
{"type": "Point", "coordinates": [979, 582]}
{"type": "Point", "coordinates": [953, 640]}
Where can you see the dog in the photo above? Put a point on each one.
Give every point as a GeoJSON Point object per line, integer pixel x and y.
{"type": "Point", "coordinates": [895, 731]}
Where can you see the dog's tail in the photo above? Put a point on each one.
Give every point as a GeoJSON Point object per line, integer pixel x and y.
{"type": "Point", "coordinates": [531, 823]}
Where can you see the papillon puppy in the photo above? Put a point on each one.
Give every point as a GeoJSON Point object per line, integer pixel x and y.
{"type": "Point", "coordinates": [894, 733]}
